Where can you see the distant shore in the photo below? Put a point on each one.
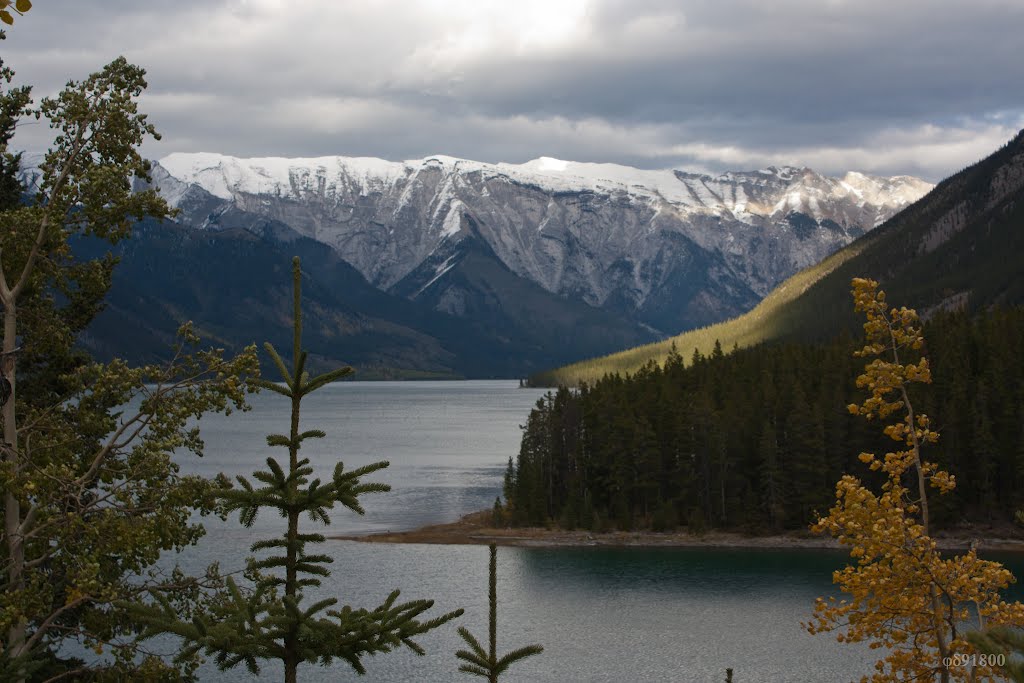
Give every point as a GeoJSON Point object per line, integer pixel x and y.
{"type": "Point", "coordinates": [475, 529]}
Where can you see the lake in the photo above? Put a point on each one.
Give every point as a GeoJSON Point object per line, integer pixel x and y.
{"type": "Point", "coordinates": [602, 614]}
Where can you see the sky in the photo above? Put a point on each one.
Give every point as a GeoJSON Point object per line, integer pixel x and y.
{"type": "Point", "coordinates": [919, 87]}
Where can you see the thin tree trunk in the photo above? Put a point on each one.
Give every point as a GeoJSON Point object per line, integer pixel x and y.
{"type": "Point", "coordinates": [922, 491]}
{"type": "Point", "coordinates": [493, 620]}
{"type": "Point", "coordinates": [291, 644]}
{"type": "Point", "coordinates": [12, 506]}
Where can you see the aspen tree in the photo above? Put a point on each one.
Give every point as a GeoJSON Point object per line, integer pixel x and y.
{"type": "Point", "coordinates": [8, 9]}
{"type": "Point", "coordinates": [91, 494]}
{"type": "Point", "coordinates": [904, 596]}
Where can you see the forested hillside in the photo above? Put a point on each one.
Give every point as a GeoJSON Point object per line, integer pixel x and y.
{"type": "Point", "coordinates": [755, 440]}
{"type": "Point", "coordinates": [227, 281]}
{"type": "Point", "coordinates": [962, 245]}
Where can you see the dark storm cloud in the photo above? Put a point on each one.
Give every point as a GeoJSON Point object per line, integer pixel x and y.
{"type": "Point", "coordinates": [767, 74]}
{"type": "Point", "coordinates": [916, 86]}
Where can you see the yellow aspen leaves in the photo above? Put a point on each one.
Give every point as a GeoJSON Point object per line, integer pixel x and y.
{"type": "Point", "coordinates": [904, 596]}
{"type": "Point", "coordinates": [17, 7]}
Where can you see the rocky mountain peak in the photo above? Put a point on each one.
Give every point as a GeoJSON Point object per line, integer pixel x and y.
{"type": "Point", "coordinates": [667, 248]}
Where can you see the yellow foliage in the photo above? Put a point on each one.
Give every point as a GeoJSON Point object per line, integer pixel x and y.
{"type": "Point", "coordinates": [904, 596]}
{"type": "Point", "coordinates": [19, 7]}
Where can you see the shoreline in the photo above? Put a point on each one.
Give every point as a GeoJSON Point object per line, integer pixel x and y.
{"type": "Point", "coordinates": [474, 529]}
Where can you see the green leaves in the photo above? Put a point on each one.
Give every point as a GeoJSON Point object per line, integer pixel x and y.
{"type": "Point", "coordinates": [92, 491]}
{"type": "Point", "coordinates": [106, 498]}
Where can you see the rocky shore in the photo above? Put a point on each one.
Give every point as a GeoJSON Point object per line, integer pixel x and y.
{"type": "Point", "coordinates": [476, 529]}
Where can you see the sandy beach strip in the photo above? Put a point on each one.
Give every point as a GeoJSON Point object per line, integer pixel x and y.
{"type": "Point", "coordinates": [475, 529]}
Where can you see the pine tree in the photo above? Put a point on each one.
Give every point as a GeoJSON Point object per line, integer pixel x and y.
{"type": "Point", "coordinates": [805, 460]}
{"type": "Point", "coordinates": [486, 663]}
{"type": "Point", "coordinates": [1004, 647]}
{"type": "Point", "coordinates": [770, 476]}
{"type": "Point", "coordinates": [273, 621]}
{"type": "Point", "coordinates": [755, 439]}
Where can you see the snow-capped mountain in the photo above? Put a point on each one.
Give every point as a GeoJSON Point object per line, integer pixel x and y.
{"type": "Point", "coordinates": [667, 249]}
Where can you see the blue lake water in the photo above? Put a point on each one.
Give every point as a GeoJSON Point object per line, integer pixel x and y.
{"type": "Point", "coordinates": [603, 614]}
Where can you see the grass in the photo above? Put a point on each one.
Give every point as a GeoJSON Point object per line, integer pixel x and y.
{"type": "Point", "coordinates": [764, 322]}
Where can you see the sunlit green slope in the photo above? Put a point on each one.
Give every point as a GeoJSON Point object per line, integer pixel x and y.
{"type": "Point", "coordinates": [960, 245]}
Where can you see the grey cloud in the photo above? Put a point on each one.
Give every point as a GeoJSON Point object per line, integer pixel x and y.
{"type": "Point", "coordinates": [894, 86]}
{"type": "Point", "coordinates": [871, 69]}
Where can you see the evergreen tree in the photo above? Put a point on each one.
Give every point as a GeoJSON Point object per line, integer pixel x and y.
{"type": "Point", "coordinates": [274, 621]}
{"type": "Point", "coordinates": [1004, 647]}
{"type": "Point", "coordinates": [752, 440]}
{"type": "Point", "coordinates": [984, 448]}
{"type": "Point", "coordinates": [770, 476]}
{"type": "Point", "coordinates": [486, 663]}
{"type": "Point", "coordinates": [805, 436]}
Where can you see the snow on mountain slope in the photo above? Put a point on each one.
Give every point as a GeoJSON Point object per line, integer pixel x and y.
{"type": "Point", "coordinates": [228, 177]}
{"type": "Point", "coordinates": [630, 239]}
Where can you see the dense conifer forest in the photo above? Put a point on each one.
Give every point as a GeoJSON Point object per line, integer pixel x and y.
{"type": "Point", "coordinates": [755, 440]}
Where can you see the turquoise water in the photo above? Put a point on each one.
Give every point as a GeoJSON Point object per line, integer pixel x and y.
{"type": "Point", "coordinates": [602, 614]}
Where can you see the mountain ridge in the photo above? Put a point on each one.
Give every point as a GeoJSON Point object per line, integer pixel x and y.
{"type": "Point", "coordinates": [668, 250]}
{"type": "Point", "coordinates": [960, 246]}
{"type": "Point", "coordinates": [230, 282]}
